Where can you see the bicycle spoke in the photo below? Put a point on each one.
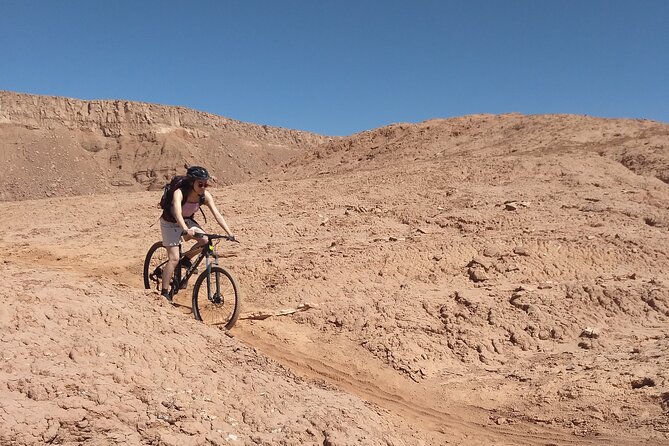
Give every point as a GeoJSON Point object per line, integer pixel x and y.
{"type": "Point", "coordinates": [216, 298]}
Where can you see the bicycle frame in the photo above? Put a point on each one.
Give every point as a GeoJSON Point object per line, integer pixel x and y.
{"type": "Point", "coordinates": [207, 252]}
{"type": "Point", "coordinates": [182, 275]}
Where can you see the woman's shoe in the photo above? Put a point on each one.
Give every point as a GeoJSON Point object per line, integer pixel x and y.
{"type": "Point", "coordinates": [167, 295]}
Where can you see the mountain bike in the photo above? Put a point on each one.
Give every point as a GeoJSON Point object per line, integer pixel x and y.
{"type": "Point", "coordinates": [216, 295]}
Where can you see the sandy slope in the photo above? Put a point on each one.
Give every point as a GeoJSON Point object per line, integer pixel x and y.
{"type": "Point", "coordinates": [483, 280]}
{"type": "Point", "coordinates": [67, 147]}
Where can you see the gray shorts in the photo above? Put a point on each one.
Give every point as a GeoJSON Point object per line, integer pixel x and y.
{"type": "Point", "coordinates": [172, 231]}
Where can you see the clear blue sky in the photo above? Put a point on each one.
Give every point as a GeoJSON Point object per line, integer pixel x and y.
{"type": "Point", "coordinates": [339, 67]}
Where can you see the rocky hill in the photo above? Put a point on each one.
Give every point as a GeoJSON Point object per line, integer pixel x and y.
{"type": "Point", "coordinates": [53, 146]}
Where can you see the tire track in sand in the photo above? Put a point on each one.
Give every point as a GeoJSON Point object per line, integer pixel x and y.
{"type": "Point", "coordinates": [383, 387]}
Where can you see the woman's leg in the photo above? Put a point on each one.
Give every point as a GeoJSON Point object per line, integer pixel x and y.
{"type": "Point", "coordinates": [168, 271]}
{"type": "Point", "coordinates": [200, 241]}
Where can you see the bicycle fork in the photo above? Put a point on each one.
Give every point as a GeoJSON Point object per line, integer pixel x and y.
{"type": "Point", "coordinates": [215, 295]}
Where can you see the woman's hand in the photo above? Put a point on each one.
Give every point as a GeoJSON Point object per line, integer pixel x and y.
{"type": "Point", "coordinates": [190, 231]}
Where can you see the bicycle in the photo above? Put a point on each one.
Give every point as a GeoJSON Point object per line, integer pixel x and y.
{"type": "Point", "coordinates": [216, 295]}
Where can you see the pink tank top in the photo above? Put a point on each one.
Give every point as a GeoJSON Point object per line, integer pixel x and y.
{"type": "Point", "coordinates": [189, 209]}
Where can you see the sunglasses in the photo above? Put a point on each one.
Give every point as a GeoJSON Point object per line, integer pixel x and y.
{"type": "Point", "coordinates": [202, 185]}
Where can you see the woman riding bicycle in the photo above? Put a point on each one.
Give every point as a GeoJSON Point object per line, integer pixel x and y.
{"type": "Point", "coordinates": [177, 221]}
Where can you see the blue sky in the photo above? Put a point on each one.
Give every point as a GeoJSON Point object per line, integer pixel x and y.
{"type": "Point", "coordinates": [340, 67]}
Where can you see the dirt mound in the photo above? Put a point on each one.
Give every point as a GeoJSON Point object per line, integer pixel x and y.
{"type": "Point", "coordinates": [494, 286]}
{"type": "Point", "coordinates": [58, 146]}
{"type": "Point", "coordinates": [639, 145]}
{"type": "Point", "coordinates": [114, 362]}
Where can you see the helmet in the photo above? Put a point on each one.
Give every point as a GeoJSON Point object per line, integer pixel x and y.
{"type": "Point", "coordinates": [197, 172]}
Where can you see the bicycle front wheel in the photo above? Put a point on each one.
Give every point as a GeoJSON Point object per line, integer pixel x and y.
{"type": "Point", "coordinates": [216, 297]}
{"type": "Point", "coordinates": [154, 263]}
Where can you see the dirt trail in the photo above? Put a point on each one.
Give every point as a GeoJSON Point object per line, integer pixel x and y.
{"type": "Point", "coordinates": [349, 368]}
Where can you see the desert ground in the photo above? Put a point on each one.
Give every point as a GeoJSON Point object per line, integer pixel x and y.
{"type": "Point", "coordinates": [481, 280]}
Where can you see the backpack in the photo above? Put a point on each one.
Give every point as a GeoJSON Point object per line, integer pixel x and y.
{"type": "Point", "coordinates": [178, 182]}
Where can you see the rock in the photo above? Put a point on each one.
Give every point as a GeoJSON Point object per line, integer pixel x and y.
{"type": "Point", "coordinates": [521, 301]}
{"type": "Point", "coordinates": [467, 298]}
{"type": "Point", "coordinates": [491, 252]}
{"type": "Point", "coordinates": [520, 339]}
{"type": "Point", "coordinates": [513, 205]}
{"type": "Point", "coordinates": [333, 438]}
{"type": "Point", "coordinates": [643, 382]}
{"type": "Point", "coordinates": [480, 261]}
{"type": "Point", "coordinates": [557, 333]}
{"type": "Point", "coordinates": [478, 274]}
{"type": "Point", "coordinates": [590, 332]}
{"type": "Point", "coordinates": [585, 345]}
{"type": "Point", "coordinates": [521, 251]}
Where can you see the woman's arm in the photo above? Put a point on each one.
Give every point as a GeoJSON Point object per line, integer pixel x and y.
{"type": "Point", "coordinates": [177, 198]}
{"type": "Point", "coordinates": [209, 201]}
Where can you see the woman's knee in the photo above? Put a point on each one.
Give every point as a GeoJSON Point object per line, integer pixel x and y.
{"type": "Point", "coordinates": [173, 254]}
{"type": "Point", "coordinates": [200, 240]}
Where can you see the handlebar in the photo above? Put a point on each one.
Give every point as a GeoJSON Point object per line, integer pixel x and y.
{"type": "Point", "coordinates": [229, 238]}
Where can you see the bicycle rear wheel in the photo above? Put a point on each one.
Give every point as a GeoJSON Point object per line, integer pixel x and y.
{"type": "Point", "coordinates": [216, 298]}
{"type": "Point", "coordinates": [154, 263]}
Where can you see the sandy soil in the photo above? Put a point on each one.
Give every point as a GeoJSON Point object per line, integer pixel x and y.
{"type": "Point", "coordinates": [480, 280]}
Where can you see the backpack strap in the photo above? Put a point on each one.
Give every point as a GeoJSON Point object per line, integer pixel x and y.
{"type": "Point", "coordinates": [201, 203]}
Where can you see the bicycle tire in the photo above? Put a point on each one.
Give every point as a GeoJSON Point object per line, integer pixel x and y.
{"type": "Point", "coordinates": [207, 309]}
{"type": "Point", "coordinates": [149, 267]}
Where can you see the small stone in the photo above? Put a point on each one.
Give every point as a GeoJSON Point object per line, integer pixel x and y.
{"type": "Point", "coordinates": [480, 261]}
{"type": "Point", "coordinates": [590, 332]}
{"type": "Point", "coordinates": [467, 298]}
{"type": "Point", "coordinates": [478, 275]}
{"type": "Point", "coordinates": [521, 251]}
{"type": "Point", "coordinates": [491, 252]}
{"type": "Point", "coordinates": [643, 382]}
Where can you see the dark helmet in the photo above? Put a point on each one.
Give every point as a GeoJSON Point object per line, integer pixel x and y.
{"type": "Point", "coordinates": [197, 172]}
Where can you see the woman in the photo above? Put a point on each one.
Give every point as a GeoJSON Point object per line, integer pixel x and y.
{"type": "Point", "coordinates": [177, 220]}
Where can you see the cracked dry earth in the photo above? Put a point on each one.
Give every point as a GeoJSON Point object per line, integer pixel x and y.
{"type": "Point", "coordinates": [466, 289]}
